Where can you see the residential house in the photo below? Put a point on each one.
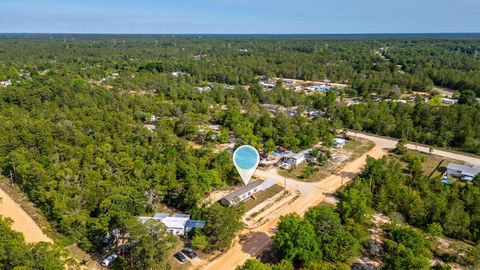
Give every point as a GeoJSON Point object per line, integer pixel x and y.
{"type": "Point", "coordinates": [6, 83]}
{"type": "Point", "coordinates": [340, 142]}
{"type": "Point", "coordinates": [449, 101]}
{"type": "Point", "coordinates": [180, 73]}
{"type": "Point", "coordinates": [177, 224]}
{"type": "Point", "coordinates": [463, 172]}
{"type": "Point", "coordinates": [246, 192]}
{"type": "Point", "coordinates": [294, 159]}
{"type": "Point", "coordinates": [204, 88]}
{"type": "Point", "coordinates": [292, 112]}
{"type": "Point", "coordinates": [267, 85]}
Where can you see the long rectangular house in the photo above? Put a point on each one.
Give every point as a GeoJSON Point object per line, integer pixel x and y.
{"type": "Point", "coordinates": [246, 192]}
{"type": "Point", "coordinates": [463, 172]}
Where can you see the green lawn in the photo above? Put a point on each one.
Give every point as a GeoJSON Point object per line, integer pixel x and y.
{"type": "Point", "coordinates": [261, 197]}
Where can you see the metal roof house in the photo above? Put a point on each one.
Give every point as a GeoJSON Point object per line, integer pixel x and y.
{"type": "Point", "coordinates": [178, 224]}
{"type": "Point", "coordinates": [267, 85]}
{"type": "Point", "coordinates": [449, 101]}
{"type": "Point", "coordinates": [295, 158]}
{"type": "Point", "coordinates": [463, 172]}
{"type": "Point", "coordinates": [246, 192]}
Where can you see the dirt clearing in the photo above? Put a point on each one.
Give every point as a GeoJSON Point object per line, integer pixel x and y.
{"type": "Point", "coordinates": [22, 222]}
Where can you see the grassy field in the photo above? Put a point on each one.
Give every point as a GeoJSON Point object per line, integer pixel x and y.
{"type": "Point", "coordinates": [358, 147]}
{"type": "Point", "coordinates": [352, 150]}
{"type": "Point", "coordinates": [262, 196]}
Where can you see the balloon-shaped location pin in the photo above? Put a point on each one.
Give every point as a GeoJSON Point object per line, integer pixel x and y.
{"type": "Point", "coordinates": [246, 159]}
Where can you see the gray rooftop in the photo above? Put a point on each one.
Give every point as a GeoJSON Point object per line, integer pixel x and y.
{"type": "Point", "coordinates": [299, 154]}
{"type": "Point", "coordinates": [231, 197]}
{"type": "Point", "coordinates": [466, 170]}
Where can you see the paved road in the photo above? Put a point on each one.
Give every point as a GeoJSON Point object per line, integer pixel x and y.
{"type": "Point", "coordinates": [391, 143]}
{"type": "Point", "coordinates": [314, 193]}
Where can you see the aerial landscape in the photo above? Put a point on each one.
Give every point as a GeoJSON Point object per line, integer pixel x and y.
{"type": "Point", "coordinates": [243, 135]}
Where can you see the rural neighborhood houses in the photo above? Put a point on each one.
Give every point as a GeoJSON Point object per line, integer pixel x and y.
{"type": "Point", "coordinates": [462, 172]}
{"type": "Point", "coordinates": [178, 224]}
{"type": "Point", "coordinates": [246, 192]}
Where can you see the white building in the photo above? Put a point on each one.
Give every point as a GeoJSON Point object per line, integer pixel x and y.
{"type": "Point", "coordinates": [246, 192]}
{"type": "Point", "coordinates": [449, 101]}
{"type": "Point", "coordinates": [340, 142]}
{"type": "Point", "coordinates": [178, 224]}
{"type": "Point", "coordinates": [180, 73]}
{"type": "Point", "coordinates": [6, 83]}
{"type": "Point", "coordinates": [204, 88]}
{"type": "Point", "coordinates": [463, 172]}
{"type": "Point", "coordinates": [267, 85]}
{"type": "Point", "coordinates": [295, 159]}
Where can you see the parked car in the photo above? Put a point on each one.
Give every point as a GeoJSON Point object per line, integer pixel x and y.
{"type": "Point", "coordinates": [108, 260]}
{"type": "Point", "coordinates": [180, 257]}
{"type": "Point", "coordinates": [190, 253]}
{"type": "Point", "coordinates": [286, 166]}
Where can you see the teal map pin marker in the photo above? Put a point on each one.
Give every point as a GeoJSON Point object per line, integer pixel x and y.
{"type": "Point", "coordinates": [246, 159]}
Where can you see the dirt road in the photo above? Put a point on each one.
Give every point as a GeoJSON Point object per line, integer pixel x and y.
{"type": "Point", "coordinates": [22, 222]}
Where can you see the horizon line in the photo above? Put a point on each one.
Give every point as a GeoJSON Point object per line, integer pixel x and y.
{"type": "Point", "coordinates": [226, 34]}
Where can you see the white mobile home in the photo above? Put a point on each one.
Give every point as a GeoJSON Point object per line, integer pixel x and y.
{"type": "Point", "coordinates": [246, 192]}
{"type": "Point", "coordinates": [177, 224]}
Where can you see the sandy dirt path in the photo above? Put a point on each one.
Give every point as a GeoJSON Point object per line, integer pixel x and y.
{"type": "Point", "coordinates": [312, 194]}
{"type": "Point", "coordinates": [22, 222]}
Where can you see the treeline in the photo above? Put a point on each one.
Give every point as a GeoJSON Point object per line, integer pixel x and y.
{"type": "Point", "coordinates": [450, 127]}
{"type": "Point", "coordinates": [369, 65]}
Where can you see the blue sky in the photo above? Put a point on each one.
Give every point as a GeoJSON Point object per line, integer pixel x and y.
{"type": "Point", "coordinates": [239, 16]}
